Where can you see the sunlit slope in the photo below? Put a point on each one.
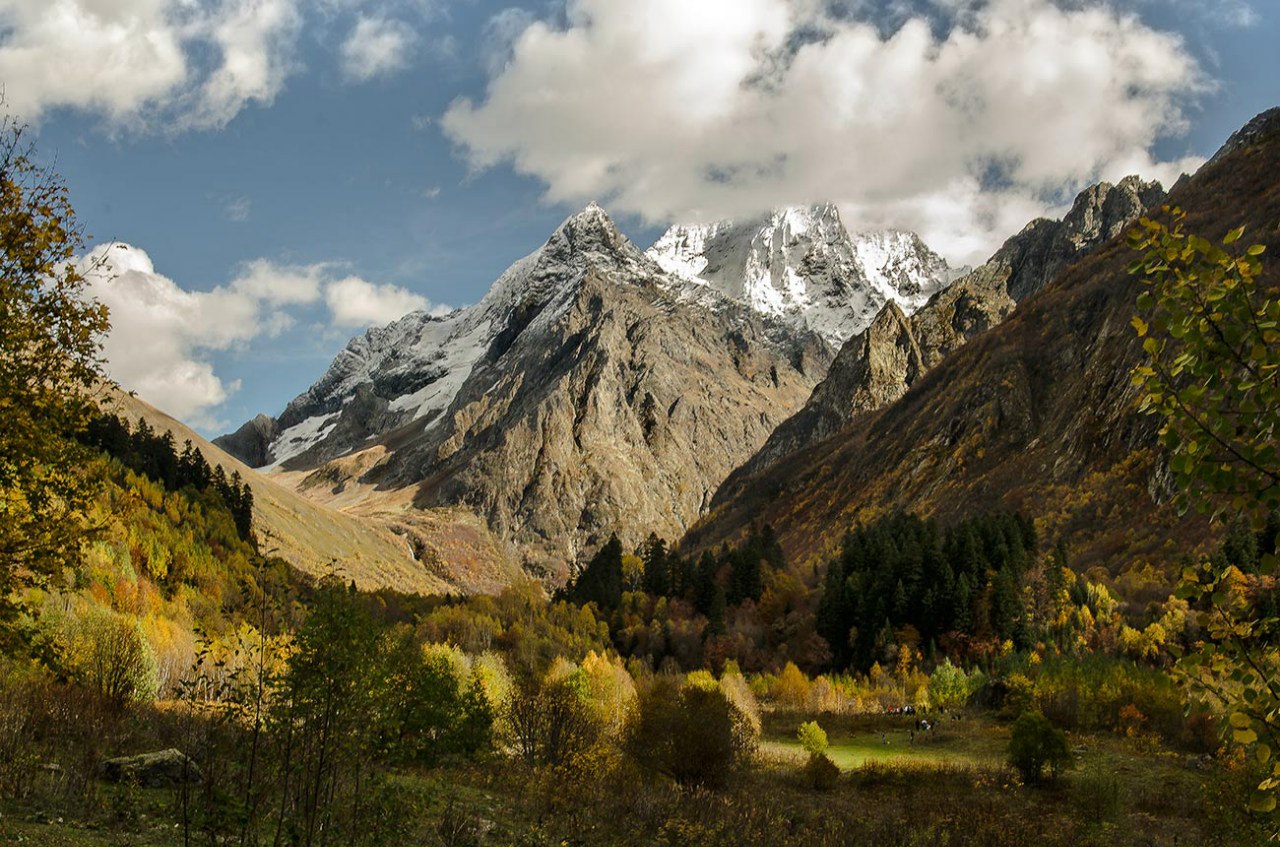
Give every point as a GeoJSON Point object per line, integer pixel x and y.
{"type": "Point", "coordinates": [423, 553]}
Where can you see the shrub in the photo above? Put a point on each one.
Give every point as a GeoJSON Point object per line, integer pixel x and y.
{"type": "Point", "coordinates": [691, 734]}
{"type": "Point", "coordinates": [552, 721]}
{"type": "Point", "coordinates": [1018, 696]}
{"type": "Point", "coordinates": [812, 738]}
{"type": "Point", "coordinates": [1036, 745]}
{"type": "Point", "coordinates": [820, 773]}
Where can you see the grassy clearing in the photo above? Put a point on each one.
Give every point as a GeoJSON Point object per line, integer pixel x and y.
{"type": "Point", "coordinates": [889, 740]}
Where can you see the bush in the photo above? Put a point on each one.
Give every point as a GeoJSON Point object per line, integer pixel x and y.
{"type": "Point", "coordinates": [812, 738]}
{"type": "Point", "coordinates": [551, 721]}
{"type": "Point", "coordinates": [1036, 745]}
{"type": "Point", "coordinates": [691, 734]}
{"type": "Point", "coordinates": [820, 773]}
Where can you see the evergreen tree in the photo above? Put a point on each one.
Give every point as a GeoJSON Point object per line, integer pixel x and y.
{"type": "Point", "coordinates": [601, 580]}
{"type": "Point", "coordinates": [657, 574]}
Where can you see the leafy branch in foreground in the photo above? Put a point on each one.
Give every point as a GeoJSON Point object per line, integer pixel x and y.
{"type": "Point", "coordinates": [1212, 339]}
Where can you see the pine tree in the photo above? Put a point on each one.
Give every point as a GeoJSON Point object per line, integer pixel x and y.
{"type": "Point", "coordinates": [657, 574]}
{"type": "Point", "coordinates": [601, 580]}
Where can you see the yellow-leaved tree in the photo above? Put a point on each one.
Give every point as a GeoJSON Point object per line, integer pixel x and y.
{"type": "Point", "coordinates": [50, 362]}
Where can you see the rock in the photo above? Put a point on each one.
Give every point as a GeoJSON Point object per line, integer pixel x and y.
{"type": "Point", "coordinates": [251, 442]}
{"type": "Point", "coordinates": [161, 769]}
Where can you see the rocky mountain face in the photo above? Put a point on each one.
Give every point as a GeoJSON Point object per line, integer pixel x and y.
{"type": "Point", "coordinates": [879, 364]}
{"type": "Point", "coordinates": [588, 392]}
{"type": "Point", "coordinates": [1038, 413]}
{"type": "Point", "coordinates": [800, 264]}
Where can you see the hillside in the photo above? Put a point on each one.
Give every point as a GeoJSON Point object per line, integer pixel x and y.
{"type": "Point", "coordinates": [375, 548]}
{"type": "Point", "coordinates": [1037, 414]}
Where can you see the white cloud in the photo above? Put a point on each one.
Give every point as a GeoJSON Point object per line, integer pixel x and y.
{"type": "Point", "coordinates": [353, 302]}
{"type": "Point", "coordinates": [376, 47]}
{"type": "Point", "coordinates": [146, 63]}
{"type": "Point", "coordinates": [500, 33]}
{"type": "Point", "coordinates": [724, 107]}
{"type": "Point", "coordinates": [163, 336]}
{"type": "Point", "coordinates": [238, 209]}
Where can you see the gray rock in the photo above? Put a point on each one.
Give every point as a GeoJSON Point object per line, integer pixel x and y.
{"type": "Point", "coordinates": [252, 441]}
{"type": "Point", "coordinates": [161, 769]}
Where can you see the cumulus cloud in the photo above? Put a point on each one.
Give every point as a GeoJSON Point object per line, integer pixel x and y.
{"type": "Point", "coordinates": [376, 47]}
{"type": "Point", "coordinates": [142, 63]}
{"type": "Point", "coordinates": [353, 302]}
{"type": "Point", "coordinates": [689, 111]}
{"type": "Point", "coordinates": [163, 336]}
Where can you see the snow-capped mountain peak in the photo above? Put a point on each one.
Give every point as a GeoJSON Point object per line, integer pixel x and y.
{"type": "Point", "coordinates": [800, 263]}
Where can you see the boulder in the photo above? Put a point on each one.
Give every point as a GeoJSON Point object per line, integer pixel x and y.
{"type": "Point", "coordinates": [162, 769]}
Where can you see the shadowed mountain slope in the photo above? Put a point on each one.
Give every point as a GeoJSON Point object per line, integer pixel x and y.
{"type": "Point", "coordinates": [1036, 414]}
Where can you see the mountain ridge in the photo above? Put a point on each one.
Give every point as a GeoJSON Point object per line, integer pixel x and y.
{"type": "Point", "coordinates": [588, 391]}
{"type": "Point", "coordinates": [878, 365]}
{"type": "Point", "coordinates": [1037, 414]}
{"type": "Point", "coordinates": [801, 264]}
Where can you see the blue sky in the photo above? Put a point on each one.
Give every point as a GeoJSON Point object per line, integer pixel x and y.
{"type": "Point", "coordinates": [289, 171]}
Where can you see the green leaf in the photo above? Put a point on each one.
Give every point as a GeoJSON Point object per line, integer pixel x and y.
{"type": "Point", "coordinates": [1233, 236]}
{"type": "Point", "coordinates": [1263, 753]}
{"type": "Point", "coordinates": [1257, 250]}
{"type": "Point", "coordinates": [1244, 736]}
{"type": "Point", "coordinates": [1263, 803]}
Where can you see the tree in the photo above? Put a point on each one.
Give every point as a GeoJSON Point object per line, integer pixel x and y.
{"type": "Point", "coordinates": [948, 686]}
{"type": "Point", "coordinates": [1036, 745]}
{"type": "Point", "coordinates": [328, 716]}
{"type": "Point", "coordinates": [690, 733]}
{"type": "Point", "coordinates": [112, 655]}
{"type": "Point", "coordinates": [1212, 374]}
{"type": "Point", "coordinates": [601, 580]}
{"type": "Point", "coordinates": [50, 361]}
{"type": "Point", "coordinates": [812, 738]}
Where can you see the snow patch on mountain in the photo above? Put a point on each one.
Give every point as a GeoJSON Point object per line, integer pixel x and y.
{"type": "Point", "coordinates": [802, 265]}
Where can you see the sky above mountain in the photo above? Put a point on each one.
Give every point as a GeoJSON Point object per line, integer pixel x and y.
{"type": "Point", "coordinates": [286, 173]}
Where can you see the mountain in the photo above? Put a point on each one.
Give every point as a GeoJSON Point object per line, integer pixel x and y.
{"type": "Point", "coordinates": [879, 364]}
{"type": "Point", "coordinates": [801, 264]}
{"type": "Point", "coordinates": [588, 392]}
{"type": "Point", "coordinates": [1038, 413]}
{"type": "Point", "coordinates": [376, 549]}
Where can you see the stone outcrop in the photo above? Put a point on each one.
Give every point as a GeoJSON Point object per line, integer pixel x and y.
{"type": "Point", "coordinates": [161, 769]}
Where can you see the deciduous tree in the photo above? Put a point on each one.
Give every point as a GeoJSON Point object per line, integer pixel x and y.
{"type": "Point", "coordinates": [49, 363]}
